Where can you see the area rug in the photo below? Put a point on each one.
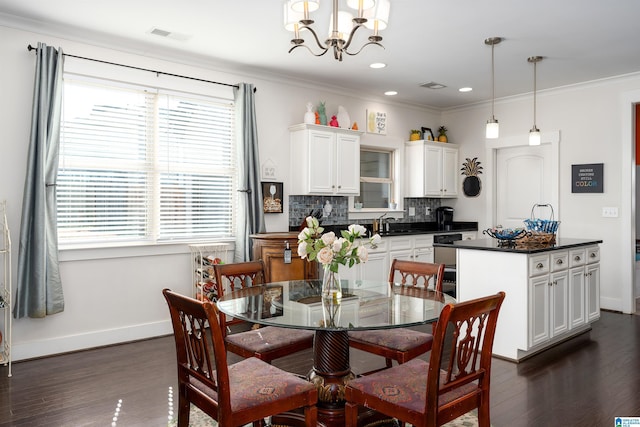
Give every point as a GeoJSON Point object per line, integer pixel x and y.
{"type": "Point", "coordinates": [197, 418]}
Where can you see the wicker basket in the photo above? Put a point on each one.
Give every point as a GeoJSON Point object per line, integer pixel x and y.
{"type": "Point", "coordinates": [537, 239]}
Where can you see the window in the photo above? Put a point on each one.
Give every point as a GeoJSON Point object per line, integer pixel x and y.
{"type": "Point", "coordinates": [376, 178]}
{"type": "Point", "coordinates": [140, 165]}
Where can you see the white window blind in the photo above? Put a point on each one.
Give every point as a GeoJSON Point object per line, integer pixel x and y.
{"type": "Point", "coordinates": [141, 165]}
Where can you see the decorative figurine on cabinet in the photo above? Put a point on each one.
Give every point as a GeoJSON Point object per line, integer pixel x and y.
{"type": "Point", "coordinates": [334, 122]}
{"type": "Point", "coordinates": [309, 116]}
{"type": "Point", "coordinates": [343, 117]}
{"type": "Point", "coordinates": [323, 114]}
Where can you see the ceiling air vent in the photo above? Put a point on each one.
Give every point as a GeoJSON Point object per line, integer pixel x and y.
{"type": "Point", "coordinates": [169, 34]}
{"type": "Point", "coordinates": [432, 85]}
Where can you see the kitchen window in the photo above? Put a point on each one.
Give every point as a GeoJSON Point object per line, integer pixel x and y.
{"type": "Point", "coordinates": [376, 178]}
{"type": "Point", "coordinates": [144, 165]}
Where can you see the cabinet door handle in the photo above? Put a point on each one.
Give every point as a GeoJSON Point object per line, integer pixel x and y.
{"type": "Point", "coordinates": [577, 258]}
{"type": "Point", "coordinates": [333, 186]}
{"type": "Point", "coordinates": [559, 261]}
{"type": "Point", "coordinates": [540, 265]}
{"type": "Point", "coordinates": [592, 255]}
{"type": "Point", "coordinates": [550, 283]}
{"type": "Point", "coordinates": [339, 186]}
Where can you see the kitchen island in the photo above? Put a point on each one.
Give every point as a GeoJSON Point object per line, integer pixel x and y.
{"type": "Point", "coordinates": [553, 292]}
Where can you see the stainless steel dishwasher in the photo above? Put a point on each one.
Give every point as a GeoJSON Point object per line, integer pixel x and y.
{"type": "Point", "coordinates": [447, 256]}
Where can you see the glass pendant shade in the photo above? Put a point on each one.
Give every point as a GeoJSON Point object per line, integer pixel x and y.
{"type": "Point", "coordinates": [299, 5]}
{"type": "Point", "coordinates": [534, 136]}
{"type": "Point", "coordinates": [493, 129]}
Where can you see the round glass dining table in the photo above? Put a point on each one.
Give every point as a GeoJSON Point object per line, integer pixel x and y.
{"type": "Point", "coordinates": [364, 304]}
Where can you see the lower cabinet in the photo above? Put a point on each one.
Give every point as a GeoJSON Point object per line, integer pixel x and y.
{"type": "Point", "coordinates": [376, 267]}
{"type": "Point", "coordinates": [564, 289]}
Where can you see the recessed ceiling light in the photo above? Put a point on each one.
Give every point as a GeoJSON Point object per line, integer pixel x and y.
{"type": "Point", "coordinates": [377, 65]}
{"type": "Point", "coordinates": [465, 89]}
{"type": "Point", "coordinates": [391, 93]}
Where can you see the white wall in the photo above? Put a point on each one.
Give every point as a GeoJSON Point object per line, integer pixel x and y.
{"type": "Point", "coordinates": [592, 120]}
{"type": "Point", "coordinates": [113, 295]}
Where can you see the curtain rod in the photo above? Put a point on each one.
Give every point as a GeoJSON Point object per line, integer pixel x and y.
{"type": "Point", "coordinates": [30, 48]}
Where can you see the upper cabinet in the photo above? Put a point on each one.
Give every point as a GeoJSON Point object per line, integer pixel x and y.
{"type": "Point", "coordinates": [432, 169]}
{"type": "Point", "coordinates": [324, 160]}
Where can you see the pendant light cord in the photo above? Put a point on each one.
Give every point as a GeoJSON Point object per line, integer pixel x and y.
{"type": "Point", "coordinates": [535, 79]}
{"type": "Point", "coordinates": [493, 83]}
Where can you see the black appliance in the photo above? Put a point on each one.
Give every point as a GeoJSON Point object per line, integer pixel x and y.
{"type": "Point", "coordinates": [447, 256]}
{"type": "Point", "coordinates": [444, 217]}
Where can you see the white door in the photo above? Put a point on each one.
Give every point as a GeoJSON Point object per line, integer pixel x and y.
{"type": "Point", "coordinates": [524, 177]}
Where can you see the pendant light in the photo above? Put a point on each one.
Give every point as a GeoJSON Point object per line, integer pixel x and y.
{"type": "Point", "coordinates": [534, 133]}
{"type": "Point", "coordinates": [493, 128]}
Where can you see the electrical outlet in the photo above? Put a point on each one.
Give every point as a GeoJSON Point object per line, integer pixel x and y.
{"type": "Point", "coordinates": [610, 212]}
{"type": "Point", "coordinates": [412, 211]}
{"type": "Point", "coordinates": [427, 211]}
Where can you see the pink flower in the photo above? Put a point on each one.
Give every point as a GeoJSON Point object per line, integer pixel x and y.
{"type": "Point", "coordinates": [325, 255]}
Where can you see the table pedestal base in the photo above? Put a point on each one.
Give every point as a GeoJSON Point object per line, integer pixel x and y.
{"type": "Point", "coordinates": [331, 372]}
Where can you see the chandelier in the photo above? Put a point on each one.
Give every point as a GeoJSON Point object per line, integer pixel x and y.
{"type": "Point", "coordinates": [371, 14]}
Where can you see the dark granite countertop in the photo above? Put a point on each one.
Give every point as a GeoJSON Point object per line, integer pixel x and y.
{"type": "Point", "coordinates": [492, 245]}
{"type": "Point", "coordinates": [410, 228]}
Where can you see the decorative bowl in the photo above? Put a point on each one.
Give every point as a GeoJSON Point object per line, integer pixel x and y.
{"type": "Point", "coordinates": [506, 235]}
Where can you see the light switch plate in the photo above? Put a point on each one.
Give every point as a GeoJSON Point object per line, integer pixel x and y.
{"type": "Point", "coordinates": [610, 212]}
{"type": "Point", "coordinates": [412, 211]}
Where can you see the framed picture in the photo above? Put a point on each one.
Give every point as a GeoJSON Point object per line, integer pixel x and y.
{"type": "Point", "coordinates": [427, 135]}
{"type": "Point", "coordinates": [272, 197]}
{"type": "Point", "coordinates": [376, 122]}
{"type": "Point", "coordinates": [587, 178]}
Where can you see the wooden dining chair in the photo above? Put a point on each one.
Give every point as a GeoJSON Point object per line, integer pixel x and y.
{"type": "Point", "coordinates": [401, 344]}
{"type": "Point", "coordinates": [245, 392]}
{"type": "Point", "coordinates": [455, 380]}
{"type": "Point", "coordinates": [268, 342]}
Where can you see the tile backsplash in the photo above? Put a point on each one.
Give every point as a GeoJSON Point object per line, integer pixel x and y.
{"type": "Point", "coordinates": [302, 206]}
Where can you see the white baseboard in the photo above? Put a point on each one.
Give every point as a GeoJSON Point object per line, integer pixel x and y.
{"type": "Point", "coordinates": [40, 348]}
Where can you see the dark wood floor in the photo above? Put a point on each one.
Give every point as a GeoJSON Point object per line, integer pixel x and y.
{"type": "Point", "coordinates": [586, 382]}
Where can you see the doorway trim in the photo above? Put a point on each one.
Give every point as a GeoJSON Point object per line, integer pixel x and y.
{"type": "Point", "coordinates": [491, 153]}
{"type": "Point", "coordinates": [628, 101]}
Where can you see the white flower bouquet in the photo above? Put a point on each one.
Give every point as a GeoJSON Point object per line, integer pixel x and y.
{"type": "Point", "coordinates": [331, 251]}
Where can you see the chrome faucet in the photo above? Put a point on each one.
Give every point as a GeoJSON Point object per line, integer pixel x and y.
{"type": "Point", "coordinates": [380, 222]}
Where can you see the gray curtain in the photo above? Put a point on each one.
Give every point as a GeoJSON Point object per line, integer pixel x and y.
{"type": "Point", "coordinates": [250, 213]}
{"type": "Point", "coordinates": [39, 290]}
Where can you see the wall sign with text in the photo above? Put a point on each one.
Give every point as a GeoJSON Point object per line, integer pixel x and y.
{"type": "Point", "coordinates": [587, 178]}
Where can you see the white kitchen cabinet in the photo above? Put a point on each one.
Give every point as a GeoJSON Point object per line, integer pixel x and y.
{"type": "Point", "coordinates": [376, 267]}
{"type": "Point", "coordinates": [324, 160]}
{"type": "Point", "coordinates": [418, 247]}
{"type": "Point", "coordinates": [549, 309]}
{"type": "Point", "coordinates": [432, 169]}
{"type": "Point", "coordinates": [592, 283]}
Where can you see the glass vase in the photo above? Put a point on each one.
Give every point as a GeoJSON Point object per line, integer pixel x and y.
{"type": "Point", "coordinates": [331, 297]}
